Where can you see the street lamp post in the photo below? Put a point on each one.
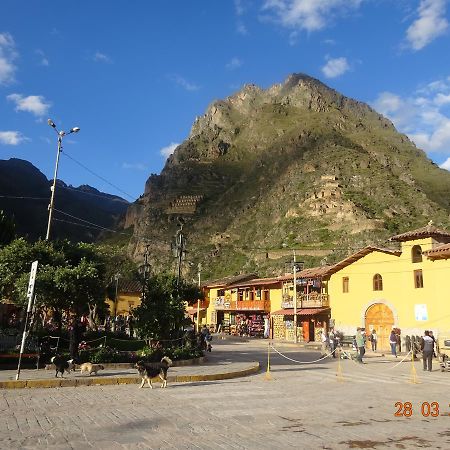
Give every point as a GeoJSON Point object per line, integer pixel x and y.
{"type": "Point", "coordinates": [60, 134]}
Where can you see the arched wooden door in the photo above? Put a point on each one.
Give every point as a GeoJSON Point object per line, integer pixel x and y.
{"type": "Point", "coordinates": [380, 318]}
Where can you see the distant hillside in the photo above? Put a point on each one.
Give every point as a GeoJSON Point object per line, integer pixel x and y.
{"type": "Point", "coordinates": [297, 165]}
{"type": "Point", "coordinates": [19, 178]}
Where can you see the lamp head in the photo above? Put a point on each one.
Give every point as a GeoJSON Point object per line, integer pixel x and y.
{"type": "Point", "coordinates": [51, 123]}
{"type": "Point", "coordinates": [75, 130]}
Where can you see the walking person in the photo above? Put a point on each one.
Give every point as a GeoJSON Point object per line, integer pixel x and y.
{"type": "Point", "coordinates": [266, 327]}
{"type": "Point", "coordinates": [374, 340]}
{"type": "Point", "coordinates": [427, 351]}
{"type": "Point", "coordinates": [332, 342]}
{"type": "Point", "coordinates": [393, 342]}
{"type": "Point", "coordinates": [360, 345]}
{"type": "Point", "coordinates": [324, 340]}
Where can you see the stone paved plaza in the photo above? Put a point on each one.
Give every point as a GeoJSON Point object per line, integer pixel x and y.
{"type": "Point", "coordinates": [311, 406]}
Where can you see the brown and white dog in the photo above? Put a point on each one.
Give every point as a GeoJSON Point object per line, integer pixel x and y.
{"type": "Point", "coordinates": [151, 370]}
{"type": "Point", "coordinates": [91, 368]}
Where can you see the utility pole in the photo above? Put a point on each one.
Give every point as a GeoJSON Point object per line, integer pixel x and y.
{"type": "Point", "coordinates": [295, 301]}
{"type": "Point", "coordinates": [199, 267]}
{"type": "Point", "coordinates": [144, 284]}
{"type": "Point", "coordinates": [180, 245]}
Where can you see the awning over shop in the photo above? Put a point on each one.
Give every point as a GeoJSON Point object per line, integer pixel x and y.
{"type": "Point", "coordinates": [300, 311]}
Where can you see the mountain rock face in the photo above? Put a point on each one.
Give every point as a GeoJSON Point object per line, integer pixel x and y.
{"type": "Point", "coordinates": [297, 165]}
{"type": "Point", "coordinates": [19, 178]}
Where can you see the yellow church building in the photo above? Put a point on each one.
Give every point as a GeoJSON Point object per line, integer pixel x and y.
{"type": "Point", "coordinates": [409, 288]}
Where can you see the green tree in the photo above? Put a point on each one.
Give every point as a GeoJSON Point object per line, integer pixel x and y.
{"type": "Point", "coordinates": [161, 313]}
{"type": "Point", "coordinates": [71, 277]}
{"type": "Point", "coordinates": [7, 229]}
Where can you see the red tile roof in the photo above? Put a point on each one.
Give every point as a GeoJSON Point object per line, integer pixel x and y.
{"type": "Point", "coordinates": [256, 282]}
{"type": "Point", "coordinates": [440, 252]}
{"type": "Point", "coordinates": [129, 286]}
{"type": "Point", "coordinates": [358, 255]}
{"type": "Point", "coordinates": [226, 281]}
{"type": "Point", "coordinates": [429, 231]}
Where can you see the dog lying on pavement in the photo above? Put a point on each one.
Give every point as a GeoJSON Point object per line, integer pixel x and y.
{"type": "Point", "coordinates": [151, 370]}
{"type": "Point", "coordinates": [62, 364]}
{"type": "Point", "coordinates": [90, 368]}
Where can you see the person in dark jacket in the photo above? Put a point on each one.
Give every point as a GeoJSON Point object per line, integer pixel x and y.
{"type": "Point", "coordinates": [427, 351]}
{"type": "Point", "coordinates": [393, 341]}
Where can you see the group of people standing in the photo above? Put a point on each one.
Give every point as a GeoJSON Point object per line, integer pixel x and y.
{"type": "Point", "coordinates": [330, 341]}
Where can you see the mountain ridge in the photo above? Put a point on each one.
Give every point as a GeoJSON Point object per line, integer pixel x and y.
{"type": "Point", "coordinates": [20, 178]}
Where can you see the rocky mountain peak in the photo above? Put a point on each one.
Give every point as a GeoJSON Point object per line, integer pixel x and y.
{"type": "Point", "coordinates": [297, 163]}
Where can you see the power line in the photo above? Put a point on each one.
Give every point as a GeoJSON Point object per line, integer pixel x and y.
{"type": "Point", "coordinates": [17, 197]}
{"type": "Point", "coordinates": [98, 176]}
{"type": "Point", "coordinates": [88, 222]}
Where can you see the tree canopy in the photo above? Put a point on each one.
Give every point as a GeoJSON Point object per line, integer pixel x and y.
{"type": "Point", "coordinates": [161, 315]}
{"type": "Point", "coordinates": [7, 229]}
{"type": "Point", "coordinates": [71, 277]}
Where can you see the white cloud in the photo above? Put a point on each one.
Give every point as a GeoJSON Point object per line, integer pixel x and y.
{"type": "Point", "coordinates": [423, 115]}
{"type": "Point", "coordinates": [7, 56]}
{"type": "Point", "coordinates": [12, 138]}
{"type": "Point", "coordinates": [169, 149]}
{"type": "Point", "coordinates": [134, 166]}
{"type": "Point", "coordinates": [35, 104]}
{"type": "Point", "coordinates": [43, 60]}
{"type": "Point", "coordinates": [241, 28]}
{"type": "Point", "coordinates": [101, 57]}
{"type": "Point", "coordinates": [335, 67]}
{"type": "Point", "coordinates": [239, 9]}
{"type": "Point", "coordinates": [187, 85]}
{"type": "Point", "coordinates": [446, 164]}
{"type": "Point", "coordinates": [308, 15]}
{"type": "Point", "coordinates": [235, 63]}
{"type": "Point", "coordinates": [430, 24]}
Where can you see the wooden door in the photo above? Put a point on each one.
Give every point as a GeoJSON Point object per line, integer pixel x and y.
{"type": "Point", "coordinates": [305, 329]}
{"type": "Point", "coordinates": [380, 318]}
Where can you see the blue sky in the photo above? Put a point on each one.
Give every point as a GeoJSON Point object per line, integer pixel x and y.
{"type": "Point", "coordinates": [134, 75]}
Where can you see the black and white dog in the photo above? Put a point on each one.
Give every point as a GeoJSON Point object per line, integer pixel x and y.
{"type": "Point", "coordinates": [62, 364]}
{"type": "Point", "coordinates": [151, 370]}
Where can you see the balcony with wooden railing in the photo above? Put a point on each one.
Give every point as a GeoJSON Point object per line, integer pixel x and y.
{"type": "Point", "coordinates": [311, 300]}
{"type": "Point", "coordinates": [221, 303]}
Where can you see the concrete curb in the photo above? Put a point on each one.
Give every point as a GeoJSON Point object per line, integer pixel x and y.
{"type": "Point", "coordinates": [99, 381]}
{"type": "Point", "coordinates": [176, 363]}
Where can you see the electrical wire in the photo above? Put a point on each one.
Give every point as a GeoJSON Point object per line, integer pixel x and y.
{"type": "Point", "coordinates": [97, 175]}
{"type": "Point", "coordinates": [23, 197]}
{"type": "Point", "coordinates": [88, 222]}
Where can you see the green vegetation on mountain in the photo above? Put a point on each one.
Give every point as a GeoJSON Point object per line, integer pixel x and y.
{"type": "Point", "coordinates": [297, 165]}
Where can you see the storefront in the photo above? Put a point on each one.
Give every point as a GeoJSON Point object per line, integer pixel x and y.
{"type": "Point", "coordinates": [310, 323]}
{"type": "Point", "coordinates": [243, 323]}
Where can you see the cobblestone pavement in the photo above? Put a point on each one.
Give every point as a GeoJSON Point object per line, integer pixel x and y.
{"type": "Point", "coordinates": [310, 406]}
